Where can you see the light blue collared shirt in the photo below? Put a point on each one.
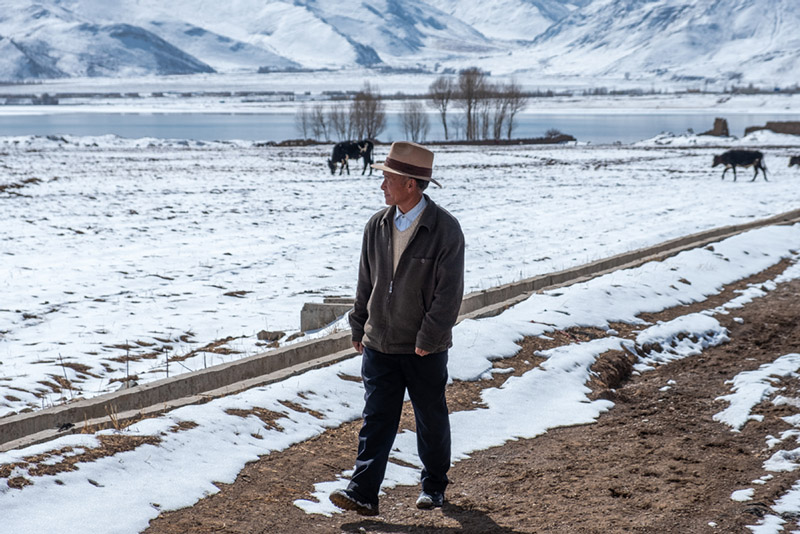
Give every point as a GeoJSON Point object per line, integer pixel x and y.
{"type": "Point", "coordinates": [403, 220]}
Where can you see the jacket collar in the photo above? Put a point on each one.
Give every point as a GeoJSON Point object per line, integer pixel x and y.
{"type": "Point", "coordinates": [427, 218]}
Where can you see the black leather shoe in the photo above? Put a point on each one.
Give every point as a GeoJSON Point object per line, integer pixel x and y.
{"type": "Point", "coordinates": [426, 501]}
{"type": "Point", "coordinates": [348, 500]}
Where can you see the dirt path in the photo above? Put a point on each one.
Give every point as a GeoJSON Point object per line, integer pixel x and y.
{"type": "Point", "coordinates": [657, 462]}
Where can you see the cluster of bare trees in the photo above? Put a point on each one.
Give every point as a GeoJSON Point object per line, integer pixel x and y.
{"type": "Point", "coordinates": [415, 121]}
{"type": "Point", "coordinates": [364, 117]}
{"type": "Point", "coordinates": [488, 110]}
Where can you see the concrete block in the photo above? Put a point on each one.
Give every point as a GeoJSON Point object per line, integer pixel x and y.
{"type": "Point", "coordinates": [315, 315]}
{"type": "Point", "coordinates": [339, 300]}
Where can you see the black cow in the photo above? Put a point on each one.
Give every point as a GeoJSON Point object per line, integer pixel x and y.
{"type": "Point", "coordinates": [794, 160]}
{"type": "Point", "coordinates": [741, 158]}
{"type": "Point", "coordinates": [344, 151]}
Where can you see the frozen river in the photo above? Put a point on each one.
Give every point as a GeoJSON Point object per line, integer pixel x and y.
{"type": "Point", "coordinates": [594, 126]}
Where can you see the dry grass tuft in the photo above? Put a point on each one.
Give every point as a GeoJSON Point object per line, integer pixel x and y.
{"type": "Point", "coordinates": [183, 426]}
{"type": "Point", "coordinates": [302, 409]}
{"type": "Point", "coordinates": [267, 416]}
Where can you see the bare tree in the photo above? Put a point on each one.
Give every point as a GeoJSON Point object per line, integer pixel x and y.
{"type": "Point", "coordinates": [302, 120]}
{"type": "Point", "coordinates": [319, 126]}
{"type": "Point", "coordinates": [516, 101]}
{"type": "Point", "coordinates": [367, 113]}
{"type": "Point", "coordinates": [339, 121]}
{"type": "Point", "coordinates": [499, 112]}
{"type": "Point", "coordinates": [471, 90]}
{"type": "Point", "coordinates": [457, 124]}
{"type": "Point", "coordinates": [440, 94]}
{"type": "Point", "coordinates": [415, 121]}
{"type": "Point", "coordinates": [484, 106]}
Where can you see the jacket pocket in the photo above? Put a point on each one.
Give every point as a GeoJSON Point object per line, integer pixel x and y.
{"type": "Point", "coordinates": [425, 274]}
{"type": "Point", "coordinates": [422, 267]}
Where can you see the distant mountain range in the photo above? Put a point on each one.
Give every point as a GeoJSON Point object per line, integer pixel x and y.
{"type": "Point", "coordinates": [730, 41]}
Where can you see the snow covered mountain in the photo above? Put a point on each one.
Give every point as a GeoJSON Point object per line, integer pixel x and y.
{"type": "Point", "coordinates": [510, 19]}
{"type": "Point", "coordinates": [52, 38]}
{"type": "Point", "coordinates": [735, 40]}
{"type": "Point", "coordinates": [51, 43]}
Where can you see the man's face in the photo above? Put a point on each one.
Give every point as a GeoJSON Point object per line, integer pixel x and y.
{"type": "Point", "coordinates": [396, 189]}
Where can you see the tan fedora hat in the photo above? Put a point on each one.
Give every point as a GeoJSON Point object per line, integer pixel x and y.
{"type": "Point", "coordinates": [409, 159]}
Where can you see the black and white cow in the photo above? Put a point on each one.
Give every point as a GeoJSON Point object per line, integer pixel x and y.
{"type": "Point", "coordinates": [794, 160]}
{"type": "Point", "coordinates": [741, 158]}
{"type": "Point", "coordinates": [344, 151]}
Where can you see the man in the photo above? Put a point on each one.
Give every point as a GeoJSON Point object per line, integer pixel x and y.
{"type": "Point", "coordinates": [410, 285]}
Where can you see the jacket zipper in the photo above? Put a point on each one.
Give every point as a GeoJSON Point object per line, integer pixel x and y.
{"type": "Point", "coordinates": [391, 255]}
{"type": "Point", "coordinates": [385, 336]}
{"type": "Point", "coordinates": [391, 250]}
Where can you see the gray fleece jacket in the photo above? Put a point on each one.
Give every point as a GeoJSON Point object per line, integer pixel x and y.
{"type": "Point", "coordinates": [418, 306]}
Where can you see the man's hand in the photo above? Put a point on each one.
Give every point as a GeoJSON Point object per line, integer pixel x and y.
{"type": "Point", "coordinates": [421, 352]}
{"type": "Point", "coordinates": [358, 346]}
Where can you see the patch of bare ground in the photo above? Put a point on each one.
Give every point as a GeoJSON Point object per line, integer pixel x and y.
{"type": "Point", "coordinates": [656, 462]}
{"type": "Point", "coordinates": [81, 369]}
{"type": "Point", "coordinates": [268, 417]}
{"type": "Point", "coordinates": [12, 188]}
{"type": "Point", "coordinates": [68, 459]}
{"type": "Point", "coordinates": [215, 347]}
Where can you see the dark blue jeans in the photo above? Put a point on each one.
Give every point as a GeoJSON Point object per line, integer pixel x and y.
{"type": "Point", "coordinates": [386, 378]}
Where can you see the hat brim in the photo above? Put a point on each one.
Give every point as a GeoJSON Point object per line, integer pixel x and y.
{"type": "Point", "coordinates": [382, 167]}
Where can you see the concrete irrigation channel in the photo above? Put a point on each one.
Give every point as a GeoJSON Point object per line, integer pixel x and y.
{"type": "Point", "coordinates": [200, 386]}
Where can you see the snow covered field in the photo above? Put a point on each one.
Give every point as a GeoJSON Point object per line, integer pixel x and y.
{"type": "Point", "coordinates": [192, 448]}
{"type": "Point", "coordinates": [142, 258]}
